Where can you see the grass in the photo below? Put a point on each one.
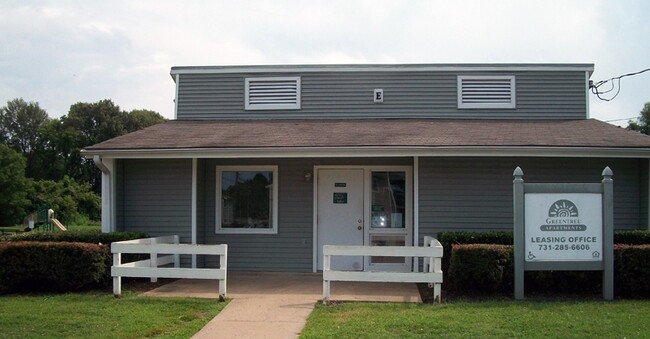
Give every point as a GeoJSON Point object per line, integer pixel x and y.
{"type": "Point", "coordinates": [482, 319]}
{"type": "Point", "coordinates": [81, 223]}
{"type": "Point", "coordinates": [11, 229]}
{"type": "Point", "coordinates": [100, 315]}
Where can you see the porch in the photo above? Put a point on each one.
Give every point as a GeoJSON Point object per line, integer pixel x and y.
{"type": "Point", "coordinates": [307, 287]}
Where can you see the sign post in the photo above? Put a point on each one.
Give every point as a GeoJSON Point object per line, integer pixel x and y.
{"type": "Point", "coordinates": [563, 227]}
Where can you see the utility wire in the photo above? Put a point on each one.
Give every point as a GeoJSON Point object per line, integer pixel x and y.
{"type": "Point", "coordinates": [615, 85]}
{"type": "Point", "coordinates": [623, 119]}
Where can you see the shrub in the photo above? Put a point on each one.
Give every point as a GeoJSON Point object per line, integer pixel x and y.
{"type": "Point", "coordinates": [636, 237]}
{"type": "Point", "coordinates": [94, 237]}
{"type": "Point", "coordinates": [632, 270]}
{"type": "Point", "coordinates": [51, 266]}
{"type": "Point", "coordinates": [447, 239]}
{"type": "Point", "coordinates": [488, 269]}
{"type": "Point", "coordinates": [563, 282]}
{"type": "Point", "coordinates": [67, 198]}
{"type": "Point", "coordinates": [90, 237]}
{"type": "Point", "coordinates": [480, 268]}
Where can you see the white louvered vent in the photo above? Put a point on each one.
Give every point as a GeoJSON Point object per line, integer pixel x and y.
{"type": "Point", "coordinates": [272, 93]}
{"type": "Point", "coordinates": [486, 91]}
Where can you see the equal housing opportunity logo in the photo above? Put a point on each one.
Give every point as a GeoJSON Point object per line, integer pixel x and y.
{"type": "Point", "coordinates": [563, 215]}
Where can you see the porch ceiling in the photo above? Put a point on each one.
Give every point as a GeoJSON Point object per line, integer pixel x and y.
{"type": "Point", "coordinates": [377, 134]}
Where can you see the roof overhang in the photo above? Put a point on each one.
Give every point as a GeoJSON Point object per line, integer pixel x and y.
{"type": "Point", "coordinates": [379, 68]}
{"type": "Point", "coordinates": [348, 152]}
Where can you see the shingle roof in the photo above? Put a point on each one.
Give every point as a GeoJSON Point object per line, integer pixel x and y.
{"type": "Point", "coordinates": [180, 134]}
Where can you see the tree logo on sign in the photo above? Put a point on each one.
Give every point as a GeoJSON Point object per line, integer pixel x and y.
{"type": "Point", "coordinates": [563, 216]}
{"type": "Point", "coordinates": [563, 209]}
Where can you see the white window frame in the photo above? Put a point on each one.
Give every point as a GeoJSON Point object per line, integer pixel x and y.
{"type": "Point", "coordinates": [249, 106]}
{"type": "Point", "coordinates": [218, 205]}
{"type": "Point", "coordinates": [513, 91]}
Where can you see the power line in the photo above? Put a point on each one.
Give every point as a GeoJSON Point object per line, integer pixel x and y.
{"type": "Point", "coordinates": [615, 85]}
{"type": "Point", "coordinates": [628, 119]}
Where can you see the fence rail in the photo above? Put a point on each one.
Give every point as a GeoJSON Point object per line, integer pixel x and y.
{"type": "Point", "coordinates": [433, 275]}
{"type": "Point", "coordinates": [164, 251]}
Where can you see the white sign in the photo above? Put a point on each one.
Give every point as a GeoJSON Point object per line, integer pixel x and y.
{"type": "Point", "coordinates": [378, 96]}
{"type": "Point", "coordinates": [563, 226]}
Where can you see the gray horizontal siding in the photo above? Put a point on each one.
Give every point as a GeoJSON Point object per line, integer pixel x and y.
{"type": "Point", "coordinates": [476, 193]}
{"type": "Point", "coordinates": [540, 95]}
{"type": "Point", "coordinates": [154, 196]}
{"type": "Point", "coordinates": [291, 248]}
{"type": "Point", "coordinates": [288, 250]}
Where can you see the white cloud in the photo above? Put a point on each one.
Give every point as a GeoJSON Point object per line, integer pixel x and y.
{"type": "Point", "coordinates": [62, 52]}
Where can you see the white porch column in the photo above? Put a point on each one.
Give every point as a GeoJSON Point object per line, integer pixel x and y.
{"type": "Point", "coordinates": [416, 208]}
{"type": "Point", "coordinates": [108, 189]}
{"type": "Point", "coordinates": [194, 209]}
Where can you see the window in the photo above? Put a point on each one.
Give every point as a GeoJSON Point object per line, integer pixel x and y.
{"type": "Point", "coordinates": [272, 93]}
{"type": "Point", "coordinates": [247, 199]}
{"type": "Point", "coordinates": [486, 91]}
{"type": "Point", "coordinates": [388, 200]}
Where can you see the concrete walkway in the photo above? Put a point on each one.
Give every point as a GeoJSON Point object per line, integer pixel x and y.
{"type": "Point", "coordinates": [276, 305]}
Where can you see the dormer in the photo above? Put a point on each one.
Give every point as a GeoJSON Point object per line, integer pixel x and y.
{"type": "Point", "coordinates": [449, 91]}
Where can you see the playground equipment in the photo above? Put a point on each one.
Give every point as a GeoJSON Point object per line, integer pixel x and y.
{"type": "Point", "coordinates": [44, 218]}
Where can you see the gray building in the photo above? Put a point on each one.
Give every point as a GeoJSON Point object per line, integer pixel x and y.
{"type": "Point", "coordinates": [276, 161]}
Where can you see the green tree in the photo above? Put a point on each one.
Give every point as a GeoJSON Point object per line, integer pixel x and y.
{"type": "Point", "coordinates": [66, 197]}
{"type": "Point", "coordinates": [13, 187]}
{"type": "Point", "coordinates": [87, 124]}
{"type": "Point", "coordinates": [19, 124]}
{"type": "Point", "coordinates": [138, 119]}
{"type": "Point", "coordinates": [643, 124]}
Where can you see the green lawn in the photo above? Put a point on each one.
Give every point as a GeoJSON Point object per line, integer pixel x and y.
{"type": "Point", "coordinates": [482, 319]}
{"type": "Point", "coordinates": [100, 315]}
{"type": "Point", "coordinates": [11, 229]}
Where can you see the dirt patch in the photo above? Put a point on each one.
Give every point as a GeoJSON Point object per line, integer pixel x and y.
{"type": "Point", "coordinates": [426, 293]}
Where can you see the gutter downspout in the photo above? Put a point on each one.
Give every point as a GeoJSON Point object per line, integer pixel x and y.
{"type": "Point", "coordinates": [107, 196]}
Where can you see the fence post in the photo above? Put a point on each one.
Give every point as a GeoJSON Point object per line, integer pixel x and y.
{"type": "Point", "coordinates": [177, 257]}
{"type": "Point", "coordinates": [326, 282]}
{"type": "Point", "coordinates": [608, 234]}
{"type": "Point", "coordinates": [117, 280]}
{"type": "Point", "coordinates": [223, 264]}
{"type": "Point", "coordinates": [427, 262]}
{"type": "Point", "coordinates": [153, 258]}
{"type": "Point", "coordinates": [437, 287]}
{"type": "Point", "coordinates": [518, 231]}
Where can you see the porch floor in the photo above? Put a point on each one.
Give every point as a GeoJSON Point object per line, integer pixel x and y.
{"type": "Point", "coordinates": [309, 285]}
{"type": "Point", "coordinates": [276, 305]}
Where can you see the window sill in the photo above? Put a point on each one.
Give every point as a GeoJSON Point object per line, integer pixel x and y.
{"type": "Point", "coordinates": [246, 231]}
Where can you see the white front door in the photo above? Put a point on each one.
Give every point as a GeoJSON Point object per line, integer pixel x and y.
{"type": "Point", "coordinates": [340, 214]}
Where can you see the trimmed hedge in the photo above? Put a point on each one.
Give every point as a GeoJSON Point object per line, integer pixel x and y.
{"type": "Point", "coordinates": [637, 237]}
{"type": "Point", "coordinates": [93, 237]}
{"type": "Point", "coordinates": [77, 238]}
{"type": "Point", "coordinates": [489, 269]}
{"type": "Point", "coordinates": [632, 270]}
{"type": "Point", "coordinates": [447, 239]}
{"type": "Point", "coordinates": [51, 266]}
{"type": "Point", "coordinates": [480, 268]}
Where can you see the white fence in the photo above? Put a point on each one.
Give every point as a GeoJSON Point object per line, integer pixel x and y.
{"type": "Point", "coordinates": [432, 253]}
{"type": "Point", "coordinates": [430, 241]}
{"type": "Point", "coordinates": [170, 246]}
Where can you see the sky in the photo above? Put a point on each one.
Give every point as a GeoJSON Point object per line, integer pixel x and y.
{"type": "Point", "coordinates": [58, 53]}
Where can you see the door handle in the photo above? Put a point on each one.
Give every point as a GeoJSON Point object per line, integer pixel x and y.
{"type": "Point", "coordinates": [359, 227]}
